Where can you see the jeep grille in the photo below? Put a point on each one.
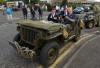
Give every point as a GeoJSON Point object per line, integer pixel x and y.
{"type": "Point", "coordinates": [29, 34]}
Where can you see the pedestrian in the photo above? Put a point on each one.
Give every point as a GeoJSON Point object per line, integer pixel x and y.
{"type": "Point", "coordinates": [28, 11]}
{"type": "Point", "coordinates": [33, 12]}
{"type": "Point", "coordinates": [62, 9]}
{"type": "Point", "coordinates": [57, 9]}
{"type": "Point", "coordinates": [8, 11]}
{"type": "Point", "coordinates": [3, 10]}
{"type": "Point", "coordinates": [24, 9]}
{"type": "Point", "coordinates": [40, 13]}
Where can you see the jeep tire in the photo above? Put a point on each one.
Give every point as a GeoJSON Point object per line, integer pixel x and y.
{"type": "Point", "coordinates": [49, 53]}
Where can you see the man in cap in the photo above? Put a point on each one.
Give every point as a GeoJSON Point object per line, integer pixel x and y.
{"type": "Point", "coordinates": [62, 15]}
{"type": "Point", "coordinates": [53, 16]}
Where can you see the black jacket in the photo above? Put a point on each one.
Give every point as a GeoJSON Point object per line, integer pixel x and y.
{"type": "Point", "coordinates": [32, 11]}
{"type": "Point", "coordinates": [63, 15]}
{"type": "Point", "coordinates": [24, 11]}
{"type": "Point", "coordinates": [51, 18]}
{"type": "Point", "coordinates": [40, 11]}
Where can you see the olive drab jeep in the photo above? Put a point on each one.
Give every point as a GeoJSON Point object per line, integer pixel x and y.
{"type": "Point", "coordinates": [41, 38]}
{"type": "Point", "coordinates": [89, 20]}
{"type": "Point", "coordinates": [96, 11]}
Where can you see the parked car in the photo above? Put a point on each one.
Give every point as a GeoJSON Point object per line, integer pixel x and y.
{"type": "Point", "coordinates": [78, 10]}
{"type": "Point", "coordinates": [87, 9]}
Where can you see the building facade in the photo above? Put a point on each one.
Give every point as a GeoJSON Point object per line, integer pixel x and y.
{"type": "Point", "coordinates": [51, 1]}
{"type": "Point", "coordinates": [70, 1]}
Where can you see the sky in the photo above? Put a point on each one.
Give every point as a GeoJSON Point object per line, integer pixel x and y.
{"type": "Point", "coordinates": [97, 0]}
{"type": "Point", "coordinates": [94, 0]}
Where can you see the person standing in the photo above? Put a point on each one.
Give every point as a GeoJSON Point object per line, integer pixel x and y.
{"type": "Point", "coordinates": [33, 12]}
{"type": "Point", "coordinates": [28, 11]}
{"type": "Point", "coordinates": [24, 9]}
{"type": "Point", "coordinates": [8, 11]}
{"type": "Point", "coordinates": [3, 10]}
{"type": "Point", "coordinates": [40, 13]}
{"type": "Point", "coordinates": [57, 9]}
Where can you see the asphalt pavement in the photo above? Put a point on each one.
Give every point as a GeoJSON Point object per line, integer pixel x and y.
{"type": "Point", "coordinates": [88, 55]}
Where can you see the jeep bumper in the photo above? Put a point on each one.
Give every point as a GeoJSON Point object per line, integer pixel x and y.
{"type": "Point", "coordinates": [23, 51]}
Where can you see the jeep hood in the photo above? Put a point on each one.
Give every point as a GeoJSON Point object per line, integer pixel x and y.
{"type": "Point", "coordinates": [46, 25]}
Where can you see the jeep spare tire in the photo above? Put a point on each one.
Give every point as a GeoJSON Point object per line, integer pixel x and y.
{"type": "Point", "coordinates": [49, 53]}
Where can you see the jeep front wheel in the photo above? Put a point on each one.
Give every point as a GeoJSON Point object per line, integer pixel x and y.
{"type": "Point", "coordinates": [49, 53]}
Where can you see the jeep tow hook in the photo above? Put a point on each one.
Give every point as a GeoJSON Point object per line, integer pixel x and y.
{"type": "Point", "coordinates": [12, 44]}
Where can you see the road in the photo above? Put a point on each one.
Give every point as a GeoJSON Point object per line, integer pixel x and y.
{"type": "Point", "coordinates": [87, 56]}
{"type": "Point", "coordinates": [82, 54]}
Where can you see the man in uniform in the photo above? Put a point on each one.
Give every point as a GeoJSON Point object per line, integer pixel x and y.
{"type": "Point", "coordinates": [53, 16]}
{"type": "Point", "coordinates": [63, 14]}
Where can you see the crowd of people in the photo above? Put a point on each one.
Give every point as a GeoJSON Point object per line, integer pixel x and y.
{"type": "Point", "coordinates": [31, 11]}
{"type": "Point", "coordinates": [65, 15]}
{"type": "Point", "coordinates": [26, 10]}
{"type": "Point", "coordinates": [7, 11]}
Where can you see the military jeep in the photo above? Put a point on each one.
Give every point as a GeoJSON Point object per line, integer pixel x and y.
{"type": "Point", "coordinates": [42, 38]}
{"type": "Point", "coordinates": [89, 20]}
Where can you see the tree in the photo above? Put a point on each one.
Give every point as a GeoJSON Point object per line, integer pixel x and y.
{"type": "Point", "coordinates": [31, 1]}
{"type": "Point", "coordinates": [2, 1]}
{"type": "Point", "coordinates": [26, 1]}
{"type": "Point", "coordinates": [11, 0]}
{"type": "Point", "coordinates": [64, 2]}
{"type": "Point", "coordinates": [35, 1]}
